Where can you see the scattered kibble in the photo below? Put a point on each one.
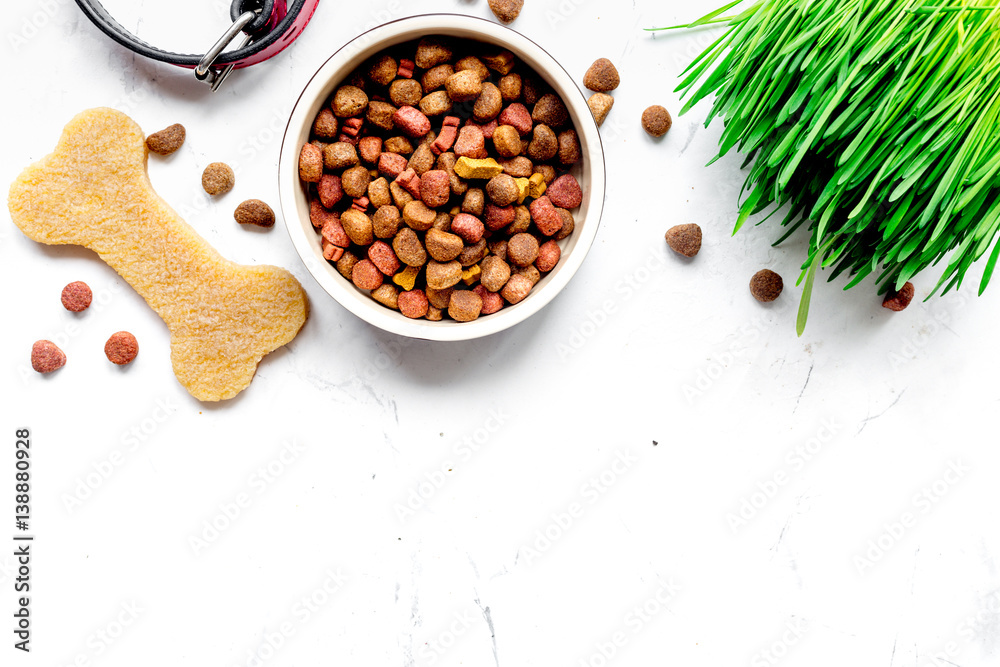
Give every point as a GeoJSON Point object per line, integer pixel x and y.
{"type": "Point", "coordinates": [76, 296]}
{"type": "Point", "coordinates": [167, 140]}
{"type": "Point", "coordinates": [121, 348]}
{"type": "Point", "coordinates": [254, 212]}
{"type": "Point", "coordinates": [46, 356]}
{"type": "Point", "coordinates": [656, 120]}
{"type": "Point", "coordinates": [602, 77]}
{"type": "Point", "coordinates": [506, 10]}
{"type": "Point", "coordinates": [685, 239]}
{"type": "Point", "coordinates": [898, 301]}
{"type": "Point", "coordinates": [218, 178]}
{"type": "Point", "coordinates": [766, 285]}
{"type": "Point", "coordinates": [600, 105]}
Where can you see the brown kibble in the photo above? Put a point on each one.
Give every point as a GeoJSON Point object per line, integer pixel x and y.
{"type": "Point", "coordinates": [345, 265]}
{"type": "Point", "coordinates": [489, 103]}
{"type": "Point", "coordinates": [495, 273]}
{"type": "Point", "coordinates": [473, 254]}
{"type": "Point", "coordinates": [502, 190]}
{"type": "Point", "coordinates": [422, 160]}
{"type": "Point", "coordinates": [418, 216]}
{"type": "Point", "coordinates": [365, 275]}
{"type": "Point", "coordinates": [442, 222]}
{"type": "Point", "coordinates": [521, 222]}
{"type": "Point", "coordinates": [550, 110]}
{"type": "Point", "coordinates": [349, 101]}
{"type": "Point", "coordinates": [602, 76]}
{"type": "Point", "coordinates": [547, 171]}
{"type": "Point", "coordinates": [436, 103]}
{"type": "Point", "coordinates": [121, 348]}
{"type": "Point", "coordinates": [530, 272]}
{"type": "Point", "coordinates": [310, 163]}
{"type": "Point", "coordinates": [600, 105]}
{"type": "Point", "coordinates": [406, 92]}
{"type": "Point", "coordinates": [378, 192]}
{"type": "Point", "coordinates": [443, 246]}
{"type": "Point", "coordinates": [413, 303]}
{"type": "Point", "coordinates": [381, 115]}
{"type": "Point", "coordinates": [46, 356]}
{"type": "Point", "coordinates": [434, 314]}
{"type": "Point", "coordinates": [326, 125]}
{"type": "Point", "coordinates": [522, 249]}
{"type": "Point", "coordinates": [569, 148]}
{"type": "Point", "coordinates": [385, 222]}
{"type": "Point", "coordinates": [167, 140]}
{"type": "Point", "coordinates": [501, 63]}
{"type": "Point", "coordinates": [358, 227]}
{"type": "Point", "coordinates": [898, 301]}
{"type": "Point", "coordinates": [544, 143]}
{"type": "Point", "coordinates": [254, 212]}
{"type": "Point", "coordinates": [383, 70]}
{"type": "Point", "coordinates": [408, 248]}
{"type": "Point", "coordinates": [685, 239]}
{"type": "Point", "coordinates": [464, 306]}
{"type": "Point", "coordinates": [569, 224]}
{"type": "Point", "coordinates": [518, 167]}
{"type": "Point", "coordinates": [388, 295]}
{"type": "Point", "coordinates": [439, 298]}
{"type": "Point", "coordinates": [516, 289]}
{"type": "Point", "coordinates": [656, 120]}
{"type": "Point", "coordinates": [398, 146]}
{"type": "Point", "coordinates": [77, 296]}
{"type": "Point", "coordinates": [435, 78]}
{"type": "Point", "coordinates": [510, 87]}
{"type": "Point", "coordinates": [218, 178]}
{"type": "Point", "coordinates": [442, 275]}
{"type": "Point", "coordinates": [432, 51]}
{"type": "Point", "coordinates": [507, 141]}
{"type": "Point", "coordinates": [506, 10]}
{"type": "Point", "coordinates": [473, 63]}
{"type": "Point", "coordinates": [532, 90]}
{"type": "Point", "coordinates": [474, 201]}
{"type": "Point", "coordinates": [766, 285]}
{"type": "Point", "coordinates": [464, 86]}
{"type": "Point", "coordinates": [340, 155]}
{"type": "Point", "coordinates": [355, 181]}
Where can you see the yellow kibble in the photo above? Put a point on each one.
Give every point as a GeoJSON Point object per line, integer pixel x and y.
{"type": "Point", "coordinates": [407, 278]}
{"type": "Point", "coordinates": [523, 188]}
{"type": "Point", "coordinates": [536, 186]}
{"type": "Point", "coordinates": [470, 276]}
{"type": "Point", "coordinates": [477, 169]}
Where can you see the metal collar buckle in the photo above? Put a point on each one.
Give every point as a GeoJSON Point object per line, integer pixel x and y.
{"type": "Point", "coordinates": [204, 71]}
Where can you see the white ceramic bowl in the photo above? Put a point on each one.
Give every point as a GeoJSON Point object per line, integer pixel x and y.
{"type": "Point", "coordinates": [295, 205]}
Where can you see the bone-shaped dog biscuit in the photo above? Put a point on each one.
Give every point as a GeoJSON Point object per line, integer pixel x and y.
{"type": "Point", "coordinates": [94, 191]}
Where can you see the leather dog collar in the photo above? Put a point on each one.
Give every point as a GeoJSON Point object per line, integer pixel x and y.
{"type": "Point", "coordinates": [268, 26]}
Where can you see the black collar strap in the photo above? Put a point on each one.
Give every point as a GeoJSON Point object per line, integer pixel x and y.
{"type": "Point", "coordinates": [269, 27]}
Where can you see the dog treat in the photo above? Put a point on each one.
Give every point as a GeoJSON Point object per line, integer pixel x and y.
{"type": "Point", "coordinates": [93, 191]}
{"type": "Point", "coordinates": [76, 296]}
{"type": "Point", "coordinates": [447, 191]}
{"type": "Point", "coordinates": [898, 301]}
{"type": "Point", "coordinates": [600, 105]}
{"type": "Point", "coordinates": [46, 356]}
{"type": "Point", "coordinates": [656, 120]}
{"type": "Point", "coordinates": [684, 239]}
{"type": "Point", "coordinates": [218, 178]}
{"type": "Point", "coordinates": [254, 212]}
{"type": "Point", "coordinates": [766, 285]}
{"type": "Point", "coordinates": [167, 140]}
{"type": "Point", "coordinates": [506, 10]}
{"type": "Point", "coordinates": [602, 77]}
{"type": "Point", "coordinates": [121, 348]}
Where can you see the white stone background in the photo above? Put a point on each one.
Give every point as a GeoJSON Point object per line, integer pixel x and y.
{"type": "Point", "coordinates": [827, 443]}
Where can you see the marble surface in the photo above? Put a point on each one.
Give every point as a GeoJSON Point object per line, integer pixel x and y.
{"type": "Point", "coordinates": [652, 470]}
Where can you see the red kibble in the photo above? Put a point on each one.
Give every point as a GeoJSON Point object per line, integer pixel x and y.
{"type": "Point", "coordinates": [545, 216]}
{"type": "Point", "coordinates": [383, 257]}
{"type": "Point", "coordinates": [435, 188]}
{"type": "Point", "coordinates": [121, 348]}
{"type": "Point", "coordinates": [498, 217]}
{"type": "Point", "coordinates": [898, 301]}
{"type": "Point", "coordinates": [391, 164]}
{"type": "Point", "coordinates": [446, 138]}
{"type": "Point", "coordinates": [332, 252]}
{"type": "Point", "coordinates": [548, 256]}
{"type": "Point", "coordinates": [492, 301]}
{"type": "Point", "coordinates": [565, 192]}
{"type": "Point", "coordinates": [365, 275]}
{"type": "Point", "coordinates": [405, 70]}
{"type": "Point", "coordinates": [413, 304]}
{"type": "Point", "coordinates": [471, 143]}
{"type": "Point", "coordinates": [409, 181]}
{"type": "Point", "coordinates": [370, 148]}
{"type": "Point", "coordinates": [330, 190]}
{"type": "Point", "coordinates": [412, 122]}
{"type": "Point", "coordinates": [361, 204]}
{"type": "Point", "coordinates": [334, 232]}
{"type": "Point", "coordinates": [516, 289]}
{"type": "Point", "coordinates": [469, 227]}
{"type": "Point", "coordinates": [518, 116]}
{"type": "Point", "coordinates": [76, 296]}
{"type": "Point", "coordinates": [46, 356]}
{"type": "Point", "coordinates": [352, 126]}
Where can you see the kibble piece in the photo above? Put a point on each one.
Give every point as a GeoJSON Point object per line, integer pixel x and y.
{"type": "Point", "coordinates": [310, 163]}
{"type": "Point", "coordinates": [349, 101]}
{"type": "Point", "coordinates": [548, 256]}
{"type": "Point", "coordinates": [516, 289]}
{"type": "Point", "coordinates": [442, 275]}
{"type": "Point", "coordinates": [443, 246]}
{"type": "Point", "coordinates": [330, 190]}
{"type": "Point", "coordinates": [898, 301]}
{"type": "Point", "coordinates": [432, 51]}
{"type": "Point", "coordinates": [340, 155]}
{"type": "Point", "coordinates": [334, 234]}
{"type": "Point", "coordinates": [471, 143]}
{"type": "Point", "coordinates": [355, 181]}
{"type": "Point", "coordinates": [439, 298]}
{"type": "Point", "coordinates": [442, 222]}
{"type": "Point", "coordinates": [522, 221]}
{"type": "Point", "coordinates": [492, 302]}
{"type": "Point", "coordinates": [536, 185]}
{"type": "Point", "coordinates": [434, 314]}
{"type": "Point", "coordinates": [381, 255]}
{"type": "Point", "coordinates": [383, 70]}
{"type": "Point", "coordinates": [345, 265]}
{"type": "Point", "coordinates": [412, 122]}
{"type": "Point", "coordinates": [550, 110]}
{"type": "Point", "coordinates": [501, 63]}
{"type": "Point", "coordinates": [544, 143]}
{"type": "Point", "coordinates": [469, 227]}
{"type": "Point", "coordinates": [77, 296]}
{"type": "Point", "coordinates": [464, 306]}
{"type": "Point", "coordinates": [474, 201]}
{"type": "Point", "coordinates": [522, 249]}
{"type": "Point", "coordinates": [497, 217]}
{"type": "Point", "coordinates": [545, 216]}
{"type": "Point", "coordinates": [381, 114]}
{"type": "Point", "coordinates": [408, 248]}
{"type": "Point", "coordinates": [502, 190]}
{"type": "Point", "coordinates": [388, 295]}
{"type": "Point", "coordinates": [435, 188]}
{"type": "Point", "coordinates": [400, 197]}
{"type": "Point", "coordinates": [569, 224]}
{"type": "Point", "coordinates": [405, 92]}
{"type": "Point", "coordinates": [518, 167]}
{"type": "Point", "coordinates": [436, 103]}
{"type": "Point", "coordinates": [326, 125]}
{"type": "Point", "coordinates": [358, 227]}
{"type": "Point", "coordinates": [369, 149]}
{"type": "Point", "coordinates": [565, 192]}
{"type": "Point", "coordinates": [506, 10]}
{"type": "Point", "coordinates": [489, 103]}
{"type": "Point", "coordinates": [121, 348]}
{"type": "Point", "coordinates": [378, 192]}
{"type": "Point", "coordinates": [766, 285]}
{"type": "Point", "coordinates": [464, 86]}
{"type": "Point", "coordinates": [569, 148]}
{"type": "Point", "coordinates": [547, 171]}
{"type": "Point", "coordinates": [532, 90]}
{"type": "Point", "coordinates": [46, 356]}
{"type": "Point", "coordinates": [366, 275]}
{"type": "Point", "coordinates": [656, 120]}
{"type": "Point", "coordinates": [685, 239]}
{"type": "Point", "coordinates": [473, 254]}
{"type": "Point", "coordinates": [507, 141]}
{"type": "Point", "coordinates": [413, 304]}
{"type": "Point", "coordinates": [510, 87]}
{"type": "Point", "coordinates": [495, 273]}
{"type": "Point", "coordinates": [385, 222]}
{"type": "Point", "coordinates": [475, 169]}
{"type": "Point", "coordinates": [418, 216]}
{"type": "Point", "coordinates": [602, 76]}
{"type": "Point", "coordinates": [530, 272]}
{"type": "Point", "coordinates": [600, 105]}
{"type": "Point", "coordinates": [516, 115]}
{"type": "Point", "coordinates": [167, 140]}
{"type": "Point", "coordinates": [422, 160]}
{"type": "Point", "coordinates": [218, 178]}
{"type": "Point", "coordinates": [254, 212]}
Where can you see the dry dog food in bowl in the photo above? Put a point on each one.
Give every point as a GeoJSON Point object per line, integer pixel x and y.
{"type": "Point", "coordinates": [417, 156]}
